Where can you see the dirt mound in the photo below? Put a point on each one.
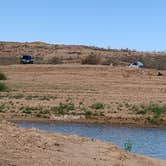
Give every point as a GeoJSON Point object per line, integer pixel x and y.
{"type": "Point", "coordinates": [34, 147]}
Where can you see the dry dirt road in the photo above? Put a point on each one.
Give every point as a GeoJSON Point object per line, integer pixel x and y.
{"type": "Point", "coordinates": [121, 90]}
{"type": "Point", "coordinates": [32, 147]}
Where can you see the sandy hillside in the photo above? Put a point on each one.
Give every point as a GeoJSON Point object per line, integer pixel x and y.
{"type": "Point", "coordinates": [122, 95]}
{"type": "Point", "coordinates": [31, 147]}
{"type": "Point", "coordinates": [56, 53]}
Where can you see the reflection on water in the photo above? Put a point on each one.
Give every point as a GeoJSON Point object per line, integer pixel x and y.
{"type": "Point", "coordinates": [147, 141]}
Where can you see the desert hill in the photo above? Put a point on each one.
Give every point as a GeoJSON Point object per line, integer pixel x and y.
{"type": "Point", "coordinates": [54, 53]}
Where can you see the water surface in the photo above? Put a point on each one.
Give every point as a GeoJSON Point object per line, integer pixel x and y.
{"type": "Point", "coordinates": [146, 141]}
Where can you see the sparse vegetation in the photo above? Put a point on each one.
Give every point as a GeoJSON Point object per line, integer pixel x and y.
{"type": "Point", "coordinates": [17, 96]}
{"type": "Point", "coordinates": [92, 59]}
{"type": "Point", "coordinates": [97, 106]}
{"type": "Point", "coordinates": [36, 97]}
{"type": "Point", "coordinates": [30, 110]}
{"type": "Point", "coordinates": [88, 114]}
{"type": "Point", "coordinates": [39, 115]}
{"type": "Point", "coordinates": [156, 109]}
{"type": "Point", "coordinates": [55, 60]}
{"type": "Point", "coordinates": [85, 92]}
{"type": "Point", "coordinates": [30, 97]}
{"type": "Point", "coordinates": [64, 108]}
{"type": "Point", "coordinates": [27, 111]}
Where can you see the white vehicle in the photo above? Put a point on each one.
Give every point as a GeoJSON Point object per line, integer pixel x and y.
{"type": "Point", "coordinates": [136, 65]}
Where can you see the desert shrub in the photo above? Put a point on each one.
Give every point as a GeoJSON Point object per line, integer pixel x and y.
{"type": "Point", "coordinates": [55, 60]}
{"type": "Point", "coordinates": [38, 115]}
{"type": "Point", "coordinates": [63, 108]}
{"type": "Point", "coordinates": [88, 114]}
{"type": "Point", "coordinates": [156, 109]}
{"type": "Point", "coordinates": [97, 106]}
{"type": "Point", "coordinates": [27, 111]}
{"type": "Point", "coordinates": [3, 87]}
{"type": "Point", "coordinates": [92, 59]}
{"type": "Point", "coordinates": [2, 76]}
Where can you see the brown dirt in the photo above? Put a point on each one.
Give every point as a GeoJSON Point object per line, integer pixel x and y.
{"type": "Point", "coordinates": [118, 88]}
{"type": "Point", "coordinates": [34, 147]}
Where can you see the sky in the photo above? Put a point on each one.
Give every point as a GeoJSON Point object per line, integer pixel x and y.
{"type": "Point", "coordinates": [133, 24]}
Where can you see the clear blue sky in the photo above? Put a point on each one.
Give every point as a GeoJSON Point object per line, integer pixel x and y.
{"type": "Point", "coordinates": [135, 24]}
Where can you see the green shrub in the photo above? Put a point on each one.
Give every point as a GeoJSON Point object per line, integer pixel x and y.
{"type": "Point", "coordinates": [97, 106]}
{"type": "Point", "coordinates": [88, 114]}
{"type": "Point", "coordinates": [64, 108]}
{"type": "Point", "coordinates": [3, 87]}
{"type": "Point", "coordinates": [28, 110]}
{"type": "Point", "coordinates": [156, 109]}
{"type": "Point", "coordinates": [2, 76]}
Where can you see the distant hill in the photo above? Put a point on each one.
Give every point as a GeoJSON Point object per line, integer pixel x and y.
{"type": "Point", "coordinates": [54, 53]}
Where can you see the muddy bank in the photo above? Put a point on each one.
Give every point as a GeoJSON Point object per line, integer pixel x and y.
{"type": "Point", "coordinates": [34, 147]}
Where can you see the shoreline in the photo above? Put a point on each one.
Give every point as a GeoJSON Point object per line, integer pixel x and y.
{"type": "Point", "coordinates": [85, 121]}
{"type": "Point", "coordinates": [18, 145]}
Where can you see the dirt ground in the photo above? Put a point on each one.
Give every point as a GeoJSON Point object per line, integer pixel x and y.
{"type": "Point", "coordinates": [119, 90]}
{"type": "Point", "coordinates": [27, 147]}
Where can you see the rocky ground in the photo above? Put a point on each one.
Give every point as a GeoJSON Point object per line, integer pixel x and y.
{"type": "Point", "coordinates": [32, 147]}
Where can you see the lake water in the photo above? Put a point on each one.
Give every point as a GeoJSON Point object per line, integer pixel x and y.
{"type": "Point", "coordinates": [146, 141]}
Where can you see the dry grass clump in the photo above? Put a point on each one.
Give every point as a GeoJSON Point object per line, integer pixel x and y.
{"type": "Point", "coordinates": [91, 59]}
{"type": "Point", "coordinates": [55, 60]}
